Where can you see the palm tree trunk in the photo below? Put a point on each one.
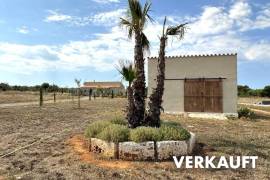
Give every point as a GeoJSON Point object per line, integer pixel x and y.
{"type": "Point", "coordinates": [155, 100]}
{"type": "Point", "coordinates": [130, 107]}
{"type": "Point", "coordinates": [139, 82]}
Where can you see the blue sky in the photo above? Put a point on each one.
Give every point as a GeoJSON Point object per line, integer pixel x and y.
{"type": "Point", "coordinates": [56, 41]}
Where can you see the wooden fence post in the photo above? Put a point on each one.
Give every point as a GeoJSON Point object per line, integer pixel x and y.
{"type": "Point", "coordinates": [112, 94]}
{"type": "Point", "coordinates": [40, 97]}
{"type": "Point", "coordinates": [90, 94]}
{"type": "Point", "coordinates": [79, 96]}
{"type": "Point", "coordinates": [54, 97]}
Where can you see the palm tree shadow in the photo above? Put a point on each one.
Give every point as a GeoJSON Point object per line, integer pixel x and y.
{"type": "Point", "coordinates": [202, 149]}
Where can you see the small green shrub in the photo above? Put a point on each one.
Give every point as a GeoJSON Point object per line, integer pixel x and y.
{"type": "Point", "coordinates": [119, 120]}
{"type": "Point", "coordinates": [246, 113]}
{"type": "Point", "coordinates": [114, 133]}
{"type": "Point", "coordinates": [95, 128]}
{"type": "Point", "coordinates": [142, 134]}
{"type": "Point", "coordinates": [170, 123]}
{"type": "Point", "coordinates": [116, 130]}
{"type": "Point", "coordinates": [173, 132]}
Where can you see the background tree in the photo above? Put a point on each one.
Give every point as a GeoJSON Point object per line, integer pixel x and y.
{"type": "Point", "coordinates": [266, 91]}
{"type": "Point", "coordinates": [45, 86]}
{"type": "Point", "coordinates": [135, 22]}
{"type": "Point", "coordinates": [243, 91]}
{"type": "Point", "coordinates": [155, 100]}
{"type": "Point", "coordinates": [5, 87]}
{"type": "Point", "coordinates": [127, 71]}
{"type": "Point", "coordinates": [78, 83]}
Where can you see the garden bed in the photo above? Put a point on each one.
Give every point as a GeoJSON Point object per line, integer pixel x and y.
{"type": "Point", "coordinates": [149, 150]}
{"type": "Point", "coordinates": [113, 140]}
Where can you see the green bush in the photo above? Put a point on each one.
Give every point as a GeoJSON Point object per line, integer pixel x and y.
{"type": "Point", "coordinates": [95, 128]}
{"type": "Point", "coordinates": [142, 134]}
{"type": "Point", "coordinates": [170, 123]}
{"type": "Point", "coordinates": [119, 120]}
{"type": "Point", "coordinates": [173, 132]}
{"type": "Point", "coordinates": [116, 130]}
{"type": "Point", "coordinates": [246, 113]}
{"type": "Point", "coordinates": [114, 133]}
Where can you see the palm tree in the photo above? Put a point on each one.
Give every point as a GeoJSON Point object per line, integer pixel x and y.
{"type": "Point", "coordinates": [78, 82]}
{"type": "Point", "coordinates": [126, 69]}
{"type": "Point", "coordinates": [135, 22]}
{"type": "Point", "coordinates": [155, 100]}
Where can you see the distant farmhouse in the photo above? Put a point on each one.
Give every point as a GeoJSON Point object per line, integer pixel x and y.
{"type": "Point", "coordinates": [105, 88]}
{"type": "Point", "coordinates": [198, 84]}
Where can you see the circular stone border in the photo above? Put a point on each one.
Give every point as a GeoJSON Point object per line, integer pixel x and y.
{"type": "Point", "coordinates": [149, 150]}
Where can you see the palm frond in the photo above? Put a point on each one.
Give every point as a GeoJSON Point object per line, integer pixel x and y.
{"type": "Point", "coordinates": [164, 24]}
{"type": "Point", "coordinates": [78, 82]}
{"type": "Point", "coordinates": [145, 13]}
{"type": "Point", "coordinates": [145, 42]}
{"type": "Point", "coordinates": [130, 33]}
{"type": "Point", "coordinates": [126, 69]}
{"type": "Point", "coordinates": [135, 12]}
{"type": "Point", "coordinates": [128, 25]}
{"type": "Point", "coordinates": [125, 22]}
{"type": "Point", "coordinates": [177, 30]}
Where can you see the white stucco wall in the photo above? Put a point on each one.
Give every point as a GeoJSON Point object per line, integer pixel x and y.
{"type": "Point", "coordinates": [213, 66]}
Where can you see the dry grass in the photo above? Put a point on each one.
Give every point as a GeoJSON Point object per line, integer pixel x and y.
{"type": "Point", "coordinates": [7, 97]}
{"type": "Point", "coordinates": [263, 108]}
{"type": "Point", "coordinates": [251, 100]}
{"type": "Point", "coordinates": [54, 159]}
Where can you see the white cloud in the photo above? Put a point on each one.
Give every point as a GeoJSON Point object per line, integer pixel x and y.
{"type": "Point", "coordinates": [215, 30]}
{"type": "Point", "coordinates": [239, 10]}
{"type": "Point", "coordinates": [23, 30]}
{"type": "Point", "coordinates": [258, 51]}
{"type": "Point", "coordinates": [101, 54]}
{"type": "Point", "coordinates": [107, 18]}
{"type": "Point", "coordinates": [106, 1]}
{"type": "Point", "coordinates": [57, 17]}
{"type": "Point", "coordinates": [263, 19]}
{"type": "Point", "coordinates": [213, 20]}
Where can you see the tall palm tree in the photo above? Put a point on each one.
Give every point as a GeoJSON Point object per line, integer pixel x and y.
{"type": "Point", "coordinates": [155, 100]}
{"type": "Point", "coordinates": [135, 22]}
{"type": "Point", "coordinates": [126, 69]}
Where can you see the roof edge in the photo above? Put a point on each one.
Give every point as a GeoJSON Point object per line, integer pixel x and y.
{"type": "Point", "coordinates": [197, 55]}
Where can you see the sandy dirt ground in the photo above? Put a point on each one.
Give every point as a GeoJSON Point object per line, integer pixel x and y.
{"type": "Point", "coordinates": [57, 153]}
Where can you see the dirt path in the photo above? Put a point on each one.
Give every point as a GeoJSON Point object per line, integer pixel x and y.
{"type": "Point", "coordinates": [260, 111]}
{"type": "Point", "coordinates": [255, 105]}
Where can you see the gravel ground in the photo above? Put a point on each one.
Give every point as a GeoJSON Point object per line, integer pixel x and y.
{"type": "Point", "coordinates": [51, 157]}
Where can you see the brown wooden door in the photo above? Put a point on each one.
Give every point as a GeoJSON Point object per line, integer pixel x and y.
{"type": "Point", "coordinates": [203, 95]}
{"type": "Point", "coordinates": [213, 96]}
{"type": "Point", "coordinates": [193, 99]}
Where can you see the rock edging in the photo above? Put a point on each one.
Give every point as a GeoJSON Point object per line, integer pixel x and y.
{"type": "Point", "coordinates": [150, 150]}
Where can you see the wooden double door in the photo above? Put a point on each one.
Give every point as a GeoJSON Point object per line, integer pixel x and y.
{"type": "Point", "coordinates": [203, 95]}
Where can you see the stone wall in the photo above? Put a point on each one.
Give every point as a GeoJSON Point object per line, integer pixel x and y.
{"type": "Point", "coordinates": [137, 151]}
{"type": "Point", "coordinates": [150, 150]}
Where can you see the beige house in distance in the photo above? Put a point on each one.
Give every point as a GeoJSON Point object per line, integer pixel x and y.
{"type": "Point", "coordinates": [103, 87]}
{"type": "Point", "coordinates": [198, 85]}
